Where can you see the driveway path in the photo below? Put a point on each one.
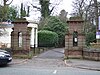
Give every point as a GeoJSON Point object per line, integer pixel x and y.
{"type": "Point", "coordinates": [56, 53]}
{"type": "Point", "coordinates": [54, 59]}
{"type": "Point", "coordinates": [50, 59]}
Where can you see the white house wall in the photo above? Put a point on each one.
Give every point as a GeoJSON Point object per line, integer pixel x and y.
{"type": "Point", "coordinates": [33, 42]}
{"type": "Point", "coordinates": [6, 39]}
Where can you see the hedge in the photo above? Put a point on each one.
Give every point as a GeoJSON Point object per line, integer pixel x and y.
{"type": "Point", "coordinates": [47, 38]}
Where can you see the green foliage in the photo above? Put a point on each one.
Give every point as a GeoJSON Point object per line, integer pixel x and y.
{"type": "Point", "coordinates": [90, 37]}
{"type": "Point", "coordinates": [12, 13]}
{"type": "Point", "coordinates": [45, 11]}
{"type": "Point", "coordinates": [47, 38]}
{"type": "Point", "coordinates": [3, 12]}
{"type": "Point", "coordinates": [22, 11]}
{"type": "Point", "coordinates": [56, 25]}
{"type": "Point", "coordinates": [8, 12]}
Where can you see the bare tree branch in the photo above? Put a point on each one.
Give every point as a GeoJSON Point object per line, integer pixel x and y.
{"type": "Point", "coordinates": [96, 13]}
{"type": "Point", "coordinates": [36, 7]}
{"type": "Point", "coordinates": [52, 9]}
{"type": "Point", "coordinates": [10, 2]}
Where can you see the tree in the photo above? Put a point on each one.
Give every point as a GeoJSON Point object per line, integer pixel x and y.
{"type": "Point", "coordinates": [45, 12]}
{"type": "Point", "coordinates": [6, 13]}
{"type": "Point", "coordinates": [88, 10]}
{"type": "Point", "coordinates": [28, 10]}
{"type": "Point", "coordinates": [91, 14]}
{"type": "Point", "coordinates": [4, 9]}
{"type": "Point", "coordinates": [46, 7]}
{"type": "Point", "coordinates": [5, 2]}
{"type": "Point", "coordinates": [56, 25]}
{"type": "Point", "coordinates": [23, 11]}
{"type": "Point", "coordinates": [63, 15]}
{"type": "Point", "coordinates": [79, 6]}
{"type": "Point", "coordinates": [12, 13]}
{"type": "Point", "coordinates": [96, 13]}
{"type": "Point", "coordinates": [90, 37]}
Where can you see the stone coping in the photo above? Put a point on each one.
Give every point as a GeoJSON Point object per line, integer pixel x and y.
{"type": "Point", "coordinates": [92, 49]}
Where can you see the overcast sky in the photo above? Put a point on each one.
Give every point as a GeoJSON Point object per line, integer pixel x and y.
{"type": "Point", "coordinates": [65, 4]}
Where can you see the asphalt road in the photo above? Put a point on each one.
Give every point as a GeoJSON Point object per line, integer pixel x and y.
{"type": "Point", "coordinates": [47, 63]}
{"type": "Point", "coordinates": [46, 71]}
{"type": "Point", "coordinates": [57, 53]}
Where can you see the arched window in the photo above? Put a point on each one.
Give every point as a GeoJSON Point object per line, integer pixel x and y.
{"type": "Point", "coordinates": [75, 38]}
{"type": "Point", "coordinates": [19, 39]}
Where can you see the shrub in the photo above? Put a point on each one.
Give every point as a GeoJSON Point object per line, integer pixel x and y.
{"type": "Point", "coordinates": [54, 24]}
{"type": "Point", "coordinates": [47, 38]}
{"type": "Point", "coordinates": [90, 37]}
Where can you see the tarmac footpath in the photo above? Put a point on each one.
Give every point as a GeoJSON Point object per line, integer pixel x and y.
{"type": "Point", "coordinates": [83, 64]}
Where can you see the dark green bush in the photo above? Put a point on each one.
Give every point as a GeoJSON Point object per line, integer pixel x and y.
{"type": "Point", "coordinates": [47, 38]}
{"type": "Point", "coordinates": [54, 24]}
{"type": "Point", "coordinates": [90, 37]}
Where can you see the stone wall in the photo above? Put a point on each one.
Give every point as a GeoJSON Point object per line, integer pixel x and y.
{"type": "Point", "coordinates": [85, 54]}
{"type": "Point", "coordinates": [91, 55]}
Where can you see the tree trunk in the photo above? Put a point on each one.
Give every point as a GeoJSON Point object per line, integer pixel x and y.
{"type": "Point", "coordinates": [96, 14]}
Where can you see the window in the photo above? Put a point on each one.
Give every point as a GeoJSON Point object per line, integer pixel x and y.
{"type": "Point", "coordinates": [19, 39]}
{"type": "Point", "coordinates": [75, 38]}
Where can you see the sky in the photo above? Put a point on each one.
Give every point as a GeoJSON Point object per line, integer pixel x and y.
{"type": "Point", "coordinates": [65, 4]}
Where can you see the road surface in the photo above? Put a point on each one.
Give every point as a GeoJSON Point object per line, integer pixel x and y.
{"type": "Point", "coordinates": [47, 63]}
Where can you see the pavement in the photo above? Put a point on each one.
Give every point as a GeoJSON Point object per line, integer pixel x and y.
{"type": "Point", "coordinates": [83, 64]}
{"type": "Point", "coordinates": [18, 61]}
{"type": "Point", "coordinates": [74, 63]}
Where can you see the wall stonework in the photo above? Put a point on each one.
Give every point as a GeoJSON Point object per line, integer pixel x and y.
{"type": "Point", "coordinates": [75, 24]}
{"type": "Point", "coordinates": [79, 51]}
{"type": "Point", "coordinates": [91, 55]}
{"type": "Point", "coordinates": [24, 49]}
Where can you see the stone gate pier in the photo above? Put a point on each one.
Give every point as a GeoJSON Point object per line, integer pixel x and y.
{"type": "Point", "coordinates": [75, 38]}
{"type": "Point", "coordinates": [21, 38]}
{"type": "Point", "coordinates": [75, 42]}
